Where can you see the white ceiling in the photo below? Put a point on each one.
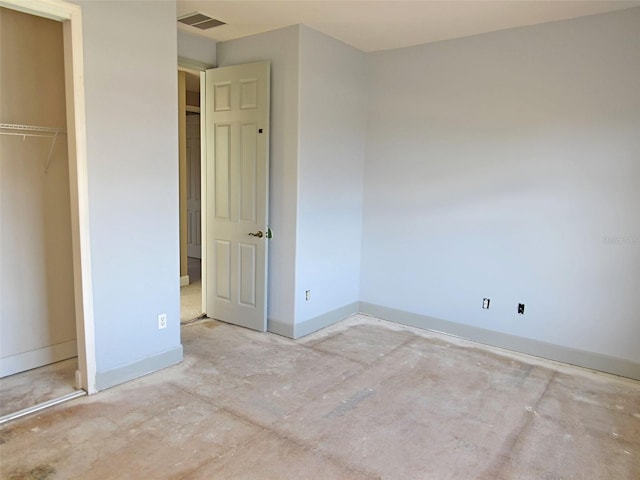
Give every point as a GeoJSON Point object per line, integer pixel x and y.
{"type": "Point", "coordinates": [382, 25]}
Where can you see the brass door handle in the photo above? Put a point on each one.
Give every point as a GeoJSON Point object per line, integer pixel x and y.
{"type": "Point", "coordinates": [259, 234]}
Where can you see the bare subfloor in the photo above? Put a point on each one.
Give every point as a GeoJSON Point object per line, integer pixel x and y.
{"type": "Point", "coordinates": [26, 389]}
{"type": "Point", "coordinates": [364, 399]}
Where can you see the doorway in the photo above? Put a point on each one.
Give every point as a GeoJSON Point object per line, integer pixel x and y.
{"type": "Point", "coordinates": [37, 314]}
{"type": "Point", "coordinates": [191, 200]}
{"type": "Point", "coordinates": [234, 192]}
{"type": "Point", "coordinates": [45, 228]}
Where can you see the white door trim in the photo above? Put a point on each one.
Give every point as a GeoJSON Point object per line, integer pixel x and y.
{"type": "Point", "coordinates": [71, 17]}
{"type": "Point", "coordinates": [193, 66]}
{"type": "Point", "coordinates": [204, 258]}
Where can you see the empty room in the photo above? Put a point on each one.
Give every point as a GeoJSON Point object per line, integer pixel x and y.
{"type": "Point", "coordinates": [319, 239]}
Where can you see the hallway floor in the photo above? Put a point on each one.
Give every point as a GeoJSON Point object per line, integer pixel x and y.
{"type": "Point", "coordinates": [190, 301]}
{"type": "Point", "coordinates": [191, 295]}
{"type": "Point", "coordinates": [364, 399]}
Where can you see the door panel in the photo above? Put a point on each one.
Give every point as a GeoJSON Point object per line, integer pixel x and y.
{"type": "Point", "coordinates": [222, 171]}
{"type": "Point", "coordinates": [223, 270]}
{"type": "Point", "coordinates": [248, 141]}
{"type": "Point", "coordinates": [237, 135]}
{"type": "Point", "coordinates": [247, 277]}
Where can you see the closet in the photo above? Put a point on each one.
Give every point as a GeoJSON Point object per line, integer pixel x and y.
{"type": "Point", "coordinates": [37, 312]}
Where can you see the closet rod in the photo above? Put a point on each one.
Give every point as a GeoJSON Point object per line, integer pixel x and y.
{"type": "Point", "coordinates": [30, 128]}
{"type": "Point", "coordinates": [26, 134]}
{"type": "Point", "coordinates": [33, 131]}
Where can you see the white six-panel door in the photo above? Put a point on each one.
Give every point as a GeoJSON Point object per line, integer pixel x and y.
{"type": "Point", "coordinates": [237, 136]}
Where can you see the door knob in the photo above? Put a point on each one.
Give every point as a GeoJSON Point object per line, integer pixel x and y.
{"type": "Point", "coordinates": [259, 234]}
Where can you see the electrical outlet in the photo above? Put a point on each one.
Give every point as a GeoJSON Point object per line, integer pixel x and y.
{"type": "Point", "coordinates": [521, 308]}
{"type": "Point", "coordinates": [485, 303]}
{"type": "Point", "coordinates": [307, 295]}
{"type": "Point", "coordinates": [162, 321]}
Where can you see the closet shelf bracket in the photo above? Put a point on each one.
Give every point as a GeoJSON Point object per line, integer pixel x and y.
{"type": "Point", "coordinates": [25, 131]}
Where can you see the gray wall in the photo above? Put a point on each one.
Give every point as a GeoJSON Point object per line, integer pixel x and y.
{"type": "Point", "coordinates": [330, 174]}
{"type": "Point", "coordinates": [37, 314]}
{"type": "Point", "coordinates": [132, 148]}
{"type": "Point", "coordinates": [506, 166]}
{"type": "Point", "coordinates": [196, 48]}
{"type": "Point", "coordinates": [498, 166]}
{"type": "Point", "coordinates": [281, 47]}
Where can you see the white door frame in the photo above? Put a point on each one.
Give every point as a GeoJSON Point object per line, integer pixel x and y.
{"type": "Point", "coordinates": [193, 66]}
{"type": "Point", "coordinates": [204, 258]}
{"type": "Point", "coordinates": [71, 17]}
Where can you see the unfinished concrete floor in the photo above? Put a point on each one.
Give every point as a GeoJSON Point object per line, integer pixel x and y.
{"type": "Point", "coordinates": [364, 399]}
{"type": "Point", "coordinates": [26, 389]}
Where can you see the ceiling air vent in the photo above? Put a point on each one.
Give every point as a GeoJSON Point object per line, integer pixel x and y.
{"type": "Point", "coordinates": [200, 20]}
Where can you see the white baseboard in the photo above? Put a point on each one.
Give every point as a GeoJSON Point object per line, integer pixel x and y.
{"type": "Point", "coordinates": [184, 281]}
{"type": "Point", "coordinates": [322, 321]}
{"type": "Point", "coordinates": [138, 368]}
{"type": "Point", "coordinates": [37, 358]}
{"type": "Point", "coordinates": [559, 353]}
{"type": "Point", "coordinates": [313, 324]}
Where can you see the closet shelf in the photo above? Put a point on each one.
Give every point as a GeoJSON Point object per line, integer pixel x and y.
{"type": "Point", "coordinates": [25, 131]}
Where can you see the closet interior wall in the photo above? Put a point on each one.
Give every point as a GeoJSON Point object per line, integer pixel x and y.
{"type": "Point", "coordinates": [37, 315]}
